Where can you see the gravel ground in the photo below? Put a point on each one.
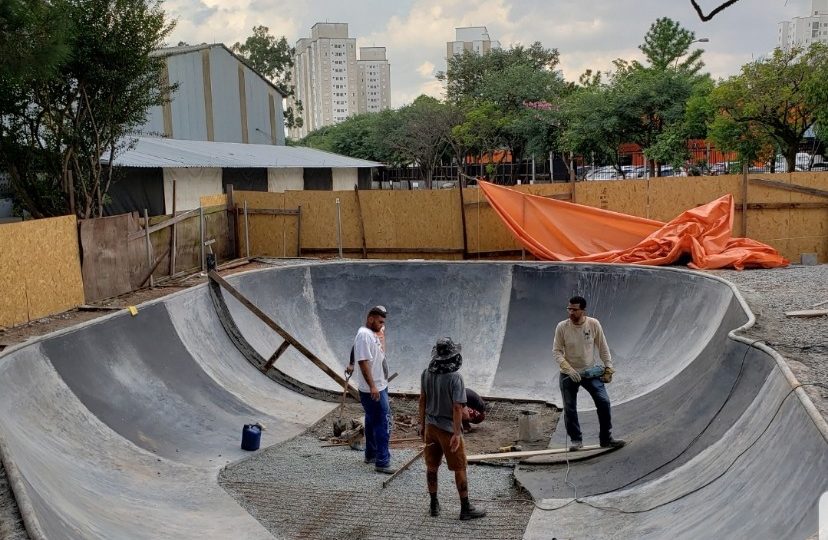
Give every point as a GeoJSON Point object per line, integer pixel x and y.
{"type": "Point", "coordinates": [299, 489]}
{"type": "Point", "coordinates": [11, 524]}
{"type": "Point", "coordinates": [802, 341]}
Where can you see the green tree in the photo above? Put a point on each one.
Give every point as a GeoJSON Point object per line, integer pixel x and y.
{"type": "Point", "coordinates": [666, 42]}
{"type": "Point", "coordinates": [773, 99]}
{"type": "Point", "coordinates": [273, 58]}
{"type": "Point", "coordinates": [54, 139]}
{"type": "Point", "coordinates": [466, 73]}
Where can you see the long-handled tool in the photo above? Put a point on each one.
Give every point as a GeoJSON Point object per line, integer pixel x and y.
{"type": "Point", "coordinates": [339, 425]}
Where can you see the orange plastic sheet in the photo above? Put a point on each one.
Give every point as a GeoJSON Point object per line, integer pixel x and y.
{"type": "Point", "coordinates": [561, 231]}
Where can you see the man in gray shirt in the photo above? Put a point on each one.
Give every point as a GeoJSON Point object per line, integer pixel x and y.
{"type": "Point", "coordinates": [442, 400]}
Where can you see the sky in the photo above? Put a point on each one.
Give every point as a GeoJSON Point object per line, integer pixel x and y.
{"type": "Point", "coordinates": [588, 34]}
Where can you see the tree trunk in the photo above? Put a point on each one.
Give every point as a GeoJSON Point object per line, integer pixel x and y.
{"type": "Point", "coordinates": [790, 154]}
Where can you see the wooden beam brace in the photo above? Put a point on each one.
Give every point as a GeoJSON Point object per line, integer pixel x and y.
{"type": "Point", "coordinates": [273, 211]}
{"type": "Point", "coordinates": [789, 187]}
{"type": "Point", "coordinates": [556, 196]}
{"type": "Point", "coordinates": [172, 221]}
{"type": "Point", "coordinates": [785, 206]}
{"type": "Point", "coordinates": [282, 332]}
{"type": "Point", "coordinates": [272, 360]}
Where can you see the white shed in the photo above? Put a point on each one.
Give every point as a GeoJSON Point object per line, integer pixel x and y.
{"type": "Point", "coordinates": [148, 169]}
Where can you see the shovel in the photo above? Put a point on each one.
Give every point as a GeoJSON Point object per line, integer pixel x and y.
{"type": "Point", "coordinates": [339, 425]}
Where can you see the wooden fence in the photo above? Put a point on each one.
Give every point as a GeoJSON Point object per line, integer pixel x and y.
{"type": "Point", "coordinates": [787, 211]}
{"type": "Point", "coordinates": [41, 262]}
{"type": "Point", "coordinates": [40, 269]}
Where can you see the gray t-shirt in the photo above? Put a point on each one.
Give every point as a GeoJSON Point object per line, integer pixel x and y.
{"type": "Point", "coordinates": [442, 391]}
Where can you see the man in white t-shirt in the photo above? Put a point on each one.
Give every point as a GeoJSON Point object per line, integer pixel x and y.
{"type": "Point", "coordinates": [575, 341]}
{"type": "Point", "coordinates": [372, 382]}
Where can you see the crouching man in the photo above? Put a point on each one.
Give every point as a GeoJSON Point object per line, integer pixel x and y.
{"type": "Point", "coordinates": [442, 401]}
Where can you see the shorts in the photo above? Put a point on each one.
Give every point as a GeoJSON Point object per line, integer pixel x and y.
{"type": "Point", "coordinates": [438, 444]}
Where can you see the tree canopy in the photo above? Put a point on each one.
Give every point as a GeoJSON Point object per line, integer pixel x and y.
{"type": "Point", "coordinates": [97, 84]}
{"type": "Point", "coordinates": [772, 101]}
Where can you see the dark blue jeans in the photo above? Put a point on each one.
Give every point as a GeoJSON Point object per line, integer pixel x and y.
{"type": "Point", "coordinates": [596, 389]}
{"type": "Point", "coordinates": [378, 424]}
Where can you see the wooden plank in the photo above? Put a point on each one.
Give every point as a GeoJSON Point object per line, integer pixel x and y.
{"type": "Point", "coordinates": [404, 466]}
{"type": "Point", "coordinates": [528, 453]}
{"type": "Point", "coordinates": [744, 200]}
{"type": "Point", "coordinates": [105, 268]}
{"type": "Point", "coordinates": [164, 224]}
{"type": "Point", "coordinates": [282, 332]}
{"type": "Point", "coordinates": [785, 206]}
{"type": "Point", "coordinates": [361, 222]}
{"type": "Point", "coordinates": [556, 196]}
{"type": "Point", "coordinates": [383, 250]}
{"type": "Point", "coordinates": [273, 211]}
{"type": "Point", "coordinates": [275, 356]}
{"type": "Point", "coordinates": [789, 187]}
{"type": "Point", "coordinates": [807, 313]}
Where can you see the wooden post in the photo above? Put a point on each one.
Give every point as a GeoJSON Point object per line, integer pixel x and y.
{"type": "Point", "coordinates": [246, 232]}
{"type": "Point", "coordinates": [361, 223]}
{"type": "Point", "coordinates": [299, 232]}
{"type": "Point", "coordinates": [744, 199]}
{"type": "Point", "coordinates": [231, 221]}
{"type": "Point", "coordinates": [172, 234]}
{"type": "Point", "coordinates": [149, 247]}
{"type": "Point", "coordinates": [463, 214]}
{"type": "Point", "coordinates": [201, 233]}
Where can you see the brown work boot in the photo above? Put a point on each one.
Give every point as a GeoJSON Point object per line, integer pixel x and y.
{"type": "Point", "coordinates": [470, 512]}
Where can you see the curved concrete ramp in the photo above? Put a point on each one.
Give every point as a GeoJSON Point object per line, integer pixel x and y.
{"type": "Point", "coordinates": [118, 428]}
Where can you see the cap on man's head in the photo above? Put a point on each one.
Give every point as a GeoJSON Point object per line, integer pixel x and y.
{"type": "Point", "coordinates": [378, 310]}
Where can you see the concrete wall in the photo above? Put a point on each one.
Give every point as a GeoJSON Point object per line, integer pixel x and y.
{"type": "Point", "coordinates": [345, 179]}
{"type": "Point", "coordinates": [279, 180]}
{"type": "Point", "coordinates": [190, 185]}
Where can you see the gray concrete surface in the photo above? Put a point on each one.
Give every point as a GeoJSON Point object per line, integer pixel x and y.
{"type": "Point", "coordinates": [119, 428]}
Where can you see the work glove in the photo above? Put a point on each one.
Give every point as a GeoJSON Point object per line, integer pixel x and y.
{"type": "Point", "coordinates": [606, 378]}
{"type": "Point", "coordinates": [567, 370]}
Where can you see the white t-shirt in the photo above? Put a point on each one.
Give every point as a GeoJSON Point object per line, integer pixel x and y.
{"type": "Point", "coordinates": [367, 347]}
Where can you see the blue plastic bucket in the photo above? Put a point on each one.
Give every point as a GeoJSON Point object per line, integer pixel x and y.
{"type": "Point", "coordinates": [251, 437]}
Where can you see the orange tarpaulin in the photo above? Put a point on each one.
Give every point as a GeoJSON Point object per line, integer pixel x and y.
{"type": "Point", "coordinates": [562, 231]}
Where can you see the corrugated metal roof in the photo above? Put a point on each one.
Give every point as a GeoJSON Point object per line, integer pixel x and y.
{"type": "Point", "coordinates": [172, 153]}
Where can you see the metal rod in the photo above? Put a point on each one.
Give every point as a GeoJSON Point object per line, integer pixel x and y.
{"type": "Point", "coordinates": [201, 234]}
{"type": "Point", "coordinates": [149, 246]}
{"type": "Point", "coordinates": [246, 231]}
{"type": "Point", "coordinates": [299, 232]}
{"type": "Point", "coordinates": [339, 227]}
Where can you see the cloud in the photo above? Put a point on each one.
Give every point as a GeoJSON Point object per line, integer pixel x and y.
{"type": "Point", "coordinates": [587, 33]}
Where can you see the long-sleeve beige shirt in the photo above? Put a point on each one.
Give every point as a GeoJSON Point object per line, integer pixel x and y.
{"type": "Point", "coordinates": [576, 344]}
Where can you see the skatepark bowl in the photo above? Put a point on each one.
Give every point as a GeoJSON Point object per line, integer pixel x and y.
{"type": "Point", "coordinates": [111, 429]}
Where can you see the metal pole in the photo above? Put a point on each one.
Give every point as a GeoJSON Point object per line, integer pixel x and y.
{"type": "Point", "coordinates": [201, 233]}
{"type": "Point", "coordinates": [533, 168]}
{"type": "Point", "coordinates": [338, 227]}
{"type": "Point", "coordinates": [246, 231]}
{"type": "Point", "coordinates": [551, 167]}
{"type": "Point", "coordinates": [149, 247]}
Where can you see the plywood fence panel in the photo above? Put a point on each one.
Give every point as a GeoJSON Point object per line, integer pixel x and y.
{"type": "Point", "coordinates": [106, 264]}
{"type": "Point", "coordinates": [625, 196]}
{"type": "Point", "coordinates": [213, 200]}
{"type": "Point", "coordinates": [420, 220]}
{"type": "Point", "coordinates": [14, 308]}
{"type": "Point", "coordinates": [270, 235]}
{"type": "Point", "coordinates": [319, 220]}
{"type": "Point", "coordinates": [791, 231]}
{"type": "Point", "coordinates": [45, 266]}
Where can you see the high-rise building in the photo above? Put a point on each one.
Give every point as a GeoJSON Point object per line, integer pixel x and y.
{"type": "Point", "coordinates": [374, 80]}
{"type": "Point", "coordinates": [331, 83]}
{"type": "Point", "coordinates": [471, 38]}
{"type": "Point", "coordinates": [803, 31]}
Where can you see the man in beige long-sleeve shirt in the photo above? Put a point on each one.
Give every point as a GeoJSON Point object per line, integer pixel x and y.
{"type": "Point", "coordinates": [575, 341]}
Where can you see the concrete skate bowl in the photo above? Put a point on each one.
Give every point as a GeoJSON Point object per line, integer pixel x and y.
{"type": "Point", "coordinates": [118, 428]}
